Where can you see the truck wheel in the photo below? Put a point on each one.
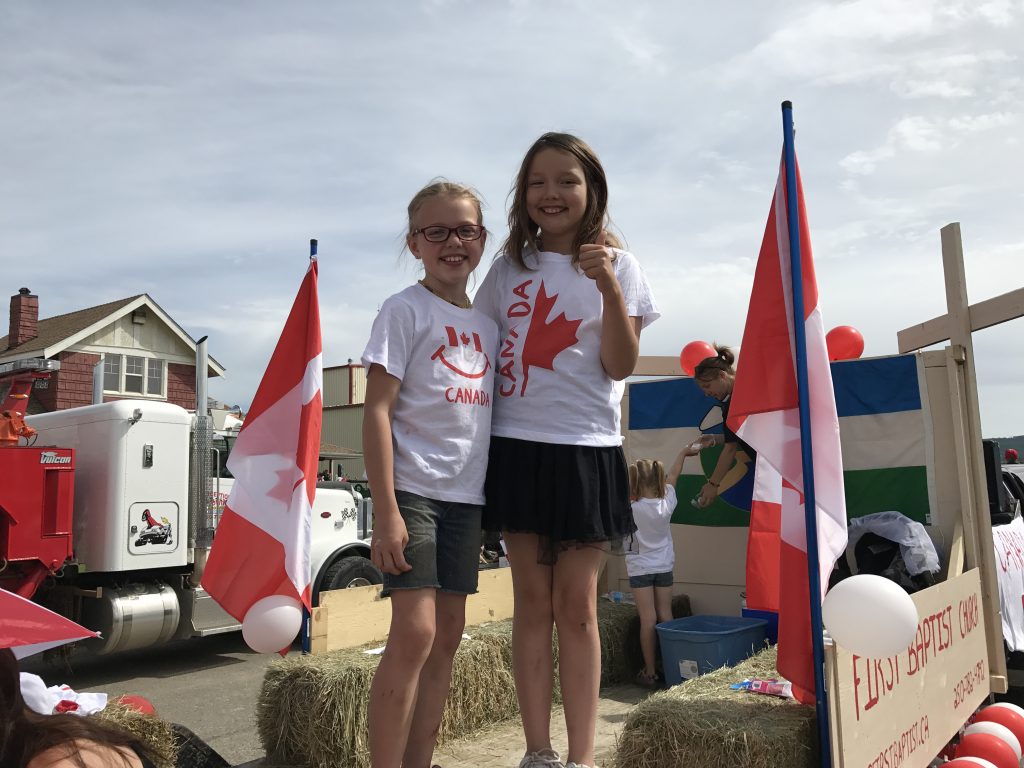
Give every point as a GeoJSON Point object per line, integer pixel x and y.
{"type": "Point", "coordinates": [350, 572]}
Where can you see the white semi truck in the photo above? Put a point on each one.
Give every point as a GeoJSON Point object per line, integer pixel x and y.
{"type": "Point", "coordinates": [148, 486]}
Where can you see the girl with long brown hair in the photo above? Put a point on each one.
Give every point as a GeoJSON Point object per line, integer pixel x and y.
{"type": "Point", "coordinates": [570, 304]}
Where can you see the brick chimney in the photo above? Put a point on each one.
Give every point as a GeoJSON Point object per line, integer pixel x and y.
{"type": "Point", "coordinates": [24, 318]}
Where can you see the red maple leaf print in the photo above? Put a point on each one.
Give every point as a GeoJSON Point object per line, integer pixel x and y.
{"type": "Point", "coordinates": [546, 339]}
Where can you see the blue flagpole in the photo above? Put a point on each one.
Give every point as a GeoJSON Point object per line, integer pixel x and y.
{"type": "Point", "coordinates": [307, 618]}
{"type": "Point", "coordinates": [810, 515]}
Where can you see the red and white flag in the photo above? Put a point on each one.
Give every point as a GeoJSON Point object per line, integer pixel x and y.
{"type": "Point", "coordinates": [764, 413]}
{"type": "Point", "coordinates": [27, 627]}
{"type": "Point", "coordinates": [261, 547]}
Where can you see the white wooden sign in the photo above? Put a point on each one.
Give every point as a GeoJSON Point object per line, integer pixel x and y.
{"type": "Point", "coordinates": [900, 711]}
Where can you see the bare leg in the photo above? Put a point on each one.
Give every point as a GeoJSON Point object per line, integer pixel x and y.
{"type": "Point", "coordinates": [532, 623]}
{"type": "Point", "coordinates": [644, 597]}
{"type": "Point", "coordinates": [579, 659]}
{"type": "Point", "coordinates": [663, 603]}
{"type": "Point", "coordinates": [394, 687]}
{"type": "Point", "coordinates": [435, 680]}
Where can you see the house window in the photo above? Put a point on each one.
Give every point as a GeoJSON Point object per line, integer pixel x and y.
{"type": "Point", "coordinates": [134, 367]}
{"type": "Point", "coordinates": [154, 377]}
{"type": "Point", "coordinates": [112, 373]}
{"type": "Point", "coordinates": [134, 375]}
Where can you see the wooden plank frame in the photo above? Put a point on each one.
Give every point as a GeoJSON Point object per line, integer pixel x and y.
{"type": "Point", "coordinates": [957, 325]}
{"type": "Point", "coordinates": [348, 618]}
{"type": "Point", "coordinates": [984, 314]}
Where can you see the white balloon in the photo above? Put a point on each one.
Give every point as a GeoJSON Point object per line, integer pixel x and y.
{"type": "Point", "coordinates": [272, 623]}
{"type": "Point", "coordinates": [997, 730]}
{"type": "Point", "coordinates": [870, 616]}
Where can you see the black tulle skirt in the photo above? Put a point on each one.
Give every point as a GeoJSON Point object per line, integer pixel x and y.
{"type": "Point", "coordinates": [569, 495]}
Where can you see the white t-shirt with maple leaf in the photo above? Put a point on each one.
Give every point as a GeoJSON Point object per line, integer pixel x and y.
{"type": "Point", "coordinates": [444, 357]}
{"type": "Point", "coordinates": [549, 384]}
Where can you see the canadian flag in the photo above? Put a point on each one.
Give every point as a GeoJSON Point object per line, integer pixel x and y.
{"type": "Point", "coordinates": [262, 543]}
{"type": "Point", "coordinates": [764, 412]}
{"type": "Point", "coordinates": [27, 628]}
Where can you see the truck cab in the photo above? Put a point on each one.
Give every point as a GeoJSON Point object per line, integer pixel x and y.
{"type": "Point", "coordinates": [149, 484]}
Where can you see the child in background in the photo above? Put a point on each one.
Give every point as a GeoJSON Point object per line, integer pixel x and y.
{"type": "Point", "coordinates": [426, 426]}
{"type": "Point", "coordinates": [570, 305]}
{"type": "Point", "coordinates": [650, 568]}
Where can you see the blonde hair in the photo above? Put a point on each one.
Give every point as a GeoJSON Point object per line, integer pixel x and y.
{"type": "Point", "coordinates": [650, 479]}
{"type": "Point", "coordinates": [444, 188]}
{"type": "Point", "coordinates": [523, 231]}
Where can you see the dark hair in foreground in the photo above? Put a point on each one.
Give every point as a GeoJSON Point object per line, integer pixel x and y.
{"type": "Point", "coordinates": [710, 366]}
{"type": "Point", "coordinates": [523, 231]}
{"type": "Point", "coordinates": [25, 733]}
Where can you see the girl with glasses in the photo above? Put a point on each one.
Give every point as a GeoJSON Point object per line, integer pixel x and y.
{"type": "Point", "coordinates": [570, 304]}
{"type": "Point", "coordinates": [426, 424]}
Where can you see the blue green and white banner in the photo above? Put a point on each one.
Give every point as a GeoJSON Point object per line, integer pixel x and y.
{"type": "Point", "coordinates": [884, 428]}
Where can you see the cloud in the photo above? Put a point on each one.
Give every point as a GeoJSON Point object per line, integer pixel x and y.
{"type": "Point", "coordinates": [926, 135]}
{"type": "Point", "coordinates": [191, 150]}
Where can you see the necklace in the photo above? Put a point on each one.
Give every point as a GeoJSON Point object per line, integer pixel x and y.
{"type": "Point", "coordinates": [464, 304]}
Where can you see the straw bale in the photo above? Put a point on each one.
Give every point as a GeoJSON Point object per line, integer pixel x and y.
{"type": "Point", "coordinates": [312, 709]}
{"type": "Point", "coordinates": [157, 734]}
{"type": "Point", "coordinates": [703, 723]}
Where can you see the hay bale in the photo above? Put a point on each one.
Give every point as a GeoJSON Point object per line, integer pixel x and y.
{"type": "Point", "coordinates": [152, 731]}
{"type": "Point", "coordinates": [312, 709]}
{"type": "Point", "coordinates": [705, 724]}
{"type": "Point", "coordinates": [618, 626]}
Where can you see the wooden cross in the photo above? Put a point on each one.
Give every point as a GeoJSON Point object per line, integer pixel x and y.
{"type": "Point", "coordinates": [972, 539]}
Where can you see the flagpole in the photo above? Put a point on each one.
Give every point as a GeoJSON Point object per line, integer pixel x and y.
{"type": "Point", "coordinates": [810, 511]}
{"type": "Point", "coordinates": [307, 618]}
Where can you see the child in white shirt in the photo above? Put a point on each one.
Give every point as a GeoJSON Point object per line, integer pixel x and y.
{"type": "Point", "coordinates": [426, 426]}
{"type": "Point", "coordinates": [650, 568]}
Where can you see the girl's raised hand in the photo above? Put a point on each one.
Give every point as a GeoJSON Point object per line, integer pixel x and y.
{"type": "Point", "coordinates": [597, 262]}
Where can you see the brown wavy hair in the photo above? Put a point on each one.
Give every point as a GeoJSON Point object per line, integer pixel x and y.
{"type": "Point", "coordinates": [523, 232]}
{"type": "Point", "coordinates": [722, 361]}
{"type": "Point", "coordinates": [25, 733]}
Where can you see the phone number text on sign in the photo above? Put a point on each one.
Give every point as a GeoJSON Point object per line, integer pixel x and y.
{"type": "Point", "coordinates": [965, 686]}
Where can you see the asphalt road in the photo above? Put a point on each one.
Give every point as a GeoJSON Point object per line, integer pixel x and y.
{"type": "Point", "coordinates": [208, 684]}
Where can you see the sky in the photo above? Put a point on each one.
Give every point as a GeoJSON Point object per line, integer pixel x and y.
{"type": "Point", "coordinates": [190, 150]}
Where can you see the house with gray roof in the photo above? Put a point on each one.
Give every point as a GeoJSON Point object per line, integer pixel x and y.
{"type": "Point", "coordinates": [144, 352]}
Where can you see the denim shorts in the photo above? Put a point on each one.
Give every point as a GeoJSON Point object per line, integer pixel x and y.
{"type": "Point", "coordinates": [443, 548]}
{"type": "Point", "coordinates": [651, 580]}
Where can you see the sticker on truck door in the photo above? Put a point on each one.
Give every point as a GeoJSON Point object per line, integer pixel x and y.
{"type": "Point", "coordinates": [152, 527]}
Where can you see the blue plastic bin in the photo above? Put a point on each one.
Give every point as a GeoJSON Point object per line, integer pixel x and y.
{"type": "Point", "coordinates": [695, 645]}
{"type": "Point", "coordinates": [772, 630]}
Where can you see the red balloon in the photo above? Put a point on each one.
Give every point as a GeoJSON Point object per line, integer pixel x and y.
{"type": "Point", "coordinates": [967, 762]}
{"type": "Point", "coordinates": [138, 703]}
{"type": "Point", "coordinates": [1005, 716]}
{"type": "Point", "coordinates": [988, 747]}
{"type": "Point", "coordinates": [693, 354]}
{"type": "Point", "coordinates": [844, 342]}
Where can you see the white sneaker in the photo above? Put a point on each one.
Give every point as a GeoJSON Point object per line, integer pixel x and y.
{"type": "Point", "coordinates": [544, 758]}
{"type": "Point", "coordinates": [571, 764]}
